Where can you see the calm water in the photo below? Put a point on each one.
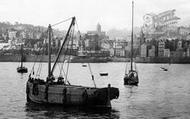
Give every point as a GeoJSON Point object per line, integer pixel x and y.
{"type": "Point", "coordinates": [160, 95]}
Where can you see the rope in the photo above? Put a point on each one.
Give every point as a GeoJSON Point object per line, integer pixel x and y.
{"type": "Point", "coordinates": [71, 37]}
{"type": "Point", "coordinates": [61, 22]}
{"type": "Point", "coordinates": [92, 75]}
{"type": "Point", "coordinates": [64, 59]}
{"type": "Point", "coordinates": [88, 62]}
{"type": "Point", "coordinates": [32, 70]}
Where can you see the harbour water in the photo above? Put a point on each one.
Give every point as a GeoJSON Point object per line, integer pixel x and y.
{"type": "Point", "coordinates": [160, 94]}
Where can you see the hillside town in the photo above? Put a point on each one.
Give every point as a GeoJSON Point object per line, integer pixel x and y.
{"type": "Point", "coordinates": [159, 37]}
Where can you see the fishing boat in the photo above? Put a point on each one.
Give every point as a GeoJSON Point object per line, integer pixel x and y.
{"type": "Point", "coordinates": [131, 77]}
{"type": "Point", "coordinates": [21, 68]}
{"type": "Point", "coordinates": [59, 91]}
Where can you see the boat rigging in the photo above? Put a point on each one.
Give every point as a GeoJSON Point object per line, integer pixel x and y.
{"type": "Point", "coordinates": [22, 69]}
{"type": "Point", "coordinates": [131, 78]}
{"type": "Point", "coordinates": [59, 91]}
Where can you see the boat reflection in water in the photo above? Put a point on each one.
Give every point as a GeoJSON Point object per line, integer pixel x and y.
{"type": "Point", "coordinates": [34, 110]}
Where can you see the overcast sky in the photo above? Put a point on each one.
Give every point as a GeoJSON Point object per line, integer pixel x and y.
{"type": "Point", "coordinates": [109, 13]}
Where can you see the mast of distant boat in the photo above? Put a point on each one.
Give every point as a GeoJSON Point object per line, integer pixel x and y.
{"type": "Point", "coordinates": [132, 36]}
{"type": "Point", "coordinates": [21, 56]}
{"type": "Point", "coordinates": [49, 51]}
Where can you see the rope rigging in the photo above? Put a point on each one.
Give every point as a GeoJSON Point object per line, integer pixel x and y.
{"type": "Point", "coordinates": [37, 74]}
{"type": "Point", "coordinates": [71, 37]}
{"type": "Point", "coordinates": [88, 62]}
{"type": "Point", "coordinates": [65, 48]}
{"type": "Point", "coordinates": [62, 21]}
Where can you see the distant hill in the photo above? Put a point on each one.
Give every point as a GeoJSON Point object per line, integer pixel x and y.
{"type": "Point", "coordinates": [4, 26]}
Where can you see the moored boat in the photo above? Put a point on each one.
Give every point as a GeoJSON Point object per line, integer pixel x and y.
{"type": "Point", "coordinates": [21, 68]}
{"type": "Point", "coordinates": [103, 74]}
{"type": "Point", "coordinates": [59, 91]}
{"type": "Point", "coordinates": [131, 78]}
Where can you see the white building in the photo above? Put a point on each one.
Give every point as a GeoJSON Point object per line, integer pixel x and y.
{"type": "Point", "coordinates": [12, 34]}
{"type": "Point", "coordinates": [119, 52]}
{"type": "Point", "coordinates": [166, 52]}
{"type": "Point", "coordinates": [111, 51]}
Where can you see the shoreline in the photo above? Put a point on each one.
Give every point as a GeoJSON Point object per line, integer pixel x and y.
{"type": "Point", "coordinates": [44, 58]}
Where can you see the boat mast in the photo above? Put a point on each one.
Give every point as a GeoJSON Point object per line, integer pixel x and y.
{"type": "Point", "coordinates": [21, 57]}
{"type": "Point", "coordinates": [67, 35]}
{"type": "Point", "coordinates": [132, 36]}
{"type": "Point", "coordinates": [49, 51]}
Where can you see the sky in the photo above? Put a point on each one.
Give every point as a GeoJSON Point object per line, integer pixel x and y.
{"type": "Point", "coordinates": [109, 13]}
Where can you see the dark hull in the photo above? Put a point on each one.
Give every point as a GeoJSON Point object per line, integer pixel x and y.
{"type": "Point", "coordinates": [70, 95]}
{"type": "Point", "coordinates": [22, 70]}
{"type": "Point", "coordinates": [131, 81]}
{"type": "Point", "coordinates": [164, 69]}
{"type": "Point", "coordinates": [103, 74]}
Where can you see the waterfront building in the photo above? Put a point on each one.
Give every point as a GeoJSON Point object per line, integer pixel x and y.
{"type": "Point", "coordinates": [143, 52]}
{"type": "Point", "coordinates": [23, 34]}
{"type": "Point", "coordinates": [119, 52]}
{"type": "Point", "coordinates": [12, 34]}
{"type": "Point", "coordinates": [105, 45]}
{"type": "Point", "coordinates": [166, 52]}
{"type": "Point", "coordinates": [179, 44]}
{"type": "Point", "coordinates": [177, 53]}
{"type": "Point", "coordinates": [161, 47]}
{"type": "Point", "coordinates": [98, 32]}
{"type": "Point", "coordinates": [152, 51]}
{"type": "Point", "coordinates": [93, 42]}
{"type": "Point", "coordinates": [112, 52]}
{"type": "Point", "coordinates": [188, 52]}
{"type": "Point", "coordinates": [119, 46]}
{"type": "Point", "coordinates": [86, 42]}
{"type": "Point", "coordinates": [96, 42]}
{"type": "Point", "coordinates": [184, 31]}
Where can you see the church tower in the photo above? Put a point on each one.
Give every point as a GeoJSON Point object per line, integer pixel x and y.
{"type": "Point", "coordinates": [98, 28]}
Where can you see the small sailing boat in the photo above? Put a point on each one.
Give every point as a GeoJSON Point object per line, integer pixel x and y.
{"type": "Point", "coordinates": [22, 69]}
{"type": "Point", "coordinates": [60, 91]}
{"type": "Point", "coordinates": [131, 78]}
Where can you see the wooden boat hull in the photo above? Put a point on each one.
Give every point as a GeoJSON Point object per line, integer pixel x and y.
{"type": "Point", "coordinates": [22, 70]}
{"type": "Point", "coordinates": [131, 81]}
{"type": "Point", "coordinates": [69, 94]}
